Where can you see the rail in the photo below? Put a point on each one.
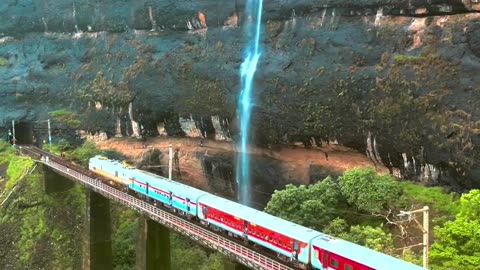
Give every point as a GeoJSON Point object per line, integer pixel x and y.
{"type": "Point", "coordinates": [232, 249]}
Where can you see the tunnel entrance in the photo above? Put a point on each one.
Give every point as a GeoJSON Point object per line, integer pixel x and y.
{"type": "Point", "coordinates": [24, 133]}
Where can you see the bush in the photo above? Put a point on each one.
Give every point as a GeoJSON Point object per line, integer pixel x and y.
{"type": "Point", "coordinates": [3, 62]}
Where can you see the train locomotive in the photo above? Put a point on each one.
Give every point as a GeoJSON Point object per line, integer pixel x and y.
{"type": "Point", "coordinates": [293, 243]}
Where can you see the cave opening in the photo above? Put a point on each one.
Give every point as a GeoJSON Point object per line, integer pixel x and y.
{"type": "Point", "coordinates": [24, 133]}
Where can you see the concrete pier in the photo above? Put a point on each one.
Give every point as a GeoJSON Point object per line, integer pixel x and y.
{"type": "Point", "coordinates": [153, 246]}
{"type": "Point", "coordinates": [98, 239]}
{"type": "Point", "coordinates": [53, 182]}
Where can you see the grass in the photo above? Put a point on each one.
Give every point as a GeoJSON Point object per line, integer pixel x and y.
{"type": "Point", "coordinates": [443, 206]}
{"type": "Point", "coordinates": [17, 165]}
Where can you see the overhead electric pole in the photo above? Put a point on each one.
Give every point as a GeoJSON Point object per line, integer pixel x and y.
{"type": "Point", "coordinates": [14, 139]}
{"type": "Point", "coordinates": [170, 161]}
{"type": "Point", "coordinates": [424, 227]}
{"type": "Point", "coordinates": [49, 133]}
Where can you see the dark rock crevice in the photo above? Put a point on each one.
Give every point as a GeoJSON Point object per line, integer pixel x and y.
{"type": "Point", "coordinates": [25, 16]}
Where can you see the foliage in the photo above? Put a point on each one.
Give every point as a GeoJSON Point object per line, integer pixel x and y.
{"type": "Point", "coordinates": [17, 165]}
{"type": "Point", "coordinates": [185, 255]}
{"type": "Point", "coordinates": [409, 256]}
{"type": "Point", "coordinates": [83, 153]}
{"type": "Point", "coordinates": [43, 230]}
{"type": "Point", "coordinates": [470, 205]}
{"type": "Point", "coordinates": [371, 237]}
{"type": "Point", "coordinates": [405, 59]}
{"type": "Point", "coordinates": [443, 206]}
{"type": "Point", "coordinates": [3, 62]}
{"type": "Point", "coordinates": [457, 244]}
{"type": "Point", "coordinates": [357, 194]}
{"type": "Point", "coordinates": [369, 192]}
{"type": "Point", "coordinates": [65, 117]}
{"type": "Point", "coordinates": [57, 148]}
{"type": "Point", "coordinates": [312, 206]}
{"type": "Point", "coordinates": [337, 227]}
{"type": "Point", "coordinates": [124, 240]}
{"type": "Point", "coordinates": [33, 227]}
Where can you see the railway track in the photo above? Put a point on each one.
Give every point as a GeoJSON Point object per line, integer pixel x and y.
{"type": "Point", "coordinates": [251, 256]}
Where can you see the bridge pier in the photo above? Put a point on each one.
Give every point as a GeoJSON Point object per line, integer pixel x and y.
{"type": "Point", "coordinates": [53, 182]}
{"type": "Point", "coordinates": [98, 246]}
{"type": "Point", "coordinates": [229, 265]}
{"type": "Point", "coordinates": [153, 246]}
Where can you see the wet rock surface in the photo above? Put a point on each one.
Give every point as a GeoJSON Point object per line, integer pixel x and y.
{"type": "Point", "coordinates": [334, 72]}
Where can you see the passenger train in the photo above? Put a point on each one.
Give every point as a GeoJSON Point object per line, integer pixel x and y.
{"type": "Point", "coordinates": [293, 243]}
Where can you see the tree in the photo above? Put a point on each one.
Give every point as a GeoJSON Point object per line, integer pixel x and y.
{"type": "Point", "coordinates": [369, 192]}
{"type": "Point", "coordinates": [457, 243]}
{"type": "Point", "coordinates": [371, 237]}
{"type": "Point", "coordinates": [313, 206]}
{"type": "Point", "coordinates": [470, 205]}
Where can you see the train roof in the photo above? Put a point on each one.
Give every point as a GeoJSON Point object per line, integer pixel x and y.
{"type": "Point", "coordinates": [153, 179]}
{"type": "Point", "coordinates": [114, 162]}
{"type": "Point", "coordinates": [261, 218]}
{"type": "Point", "coordinates": [174, 186]}
{"type": "Point", "coordinates": [362, 254]}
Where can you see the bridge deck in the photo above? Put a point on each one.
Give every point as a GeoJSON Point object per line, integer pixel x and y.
{"type": "Point", "coordinates": [228, 247]}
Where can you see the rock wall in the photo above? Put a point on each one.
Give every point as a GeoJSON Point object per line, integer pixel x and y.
{"type": "Point", "coordinates": [402, 74]}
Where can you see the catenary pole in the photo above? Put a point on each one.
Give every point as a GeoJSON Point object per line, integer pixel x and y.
{"type": "Point", "coordinates": [13, 132]}
{"type": "Point", "coordinates": [170, 161]}
{"type": "Point", "coordinates": [424, 227]}
{"type": "Point", "coordinates": [49, 133]}
{"type": "Point", "coordinates": [425, 236]}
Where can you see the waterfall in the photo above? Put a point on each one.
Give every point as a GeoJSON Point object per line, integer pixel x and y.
{"type": "Point", "coordinates": [247, 73]}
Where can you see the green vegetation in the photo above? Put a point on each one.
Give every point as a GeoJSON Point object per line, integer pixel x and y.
{"type": "Point", "coordinates": [124, 237]}
{"type": "Point", "coordinates": [362, 207]}
{"type": "Point", "coordinates": [3, 62]}
{"type": "Point", "coordinates": [17, 166]}
{"type": "Point", "coordinates": [65, 117]}
{"type": "Point", "coordinates": [187, 255]}
{"type": "Point", "coordinates": [369, 192]}
{"type": "Point", "coordinates": [457, 242]}
{"type": "Point", "coordinates": [443, 206]}
{"type": "Point", "coordinates": [405, 59]}
{"type": "Point", "coordinates": [312, 206]}
{"type": "Point", "coordinates": [37, 230]}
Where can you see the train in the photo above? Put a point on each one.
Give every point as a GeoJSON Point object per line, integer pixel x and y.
{"type": "Point", "coordinates": [295, 244]}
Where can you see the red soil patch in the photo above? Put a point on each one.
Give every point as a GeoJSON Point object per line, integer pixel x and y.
{"type": "Point", "coordinates": [295, 160]}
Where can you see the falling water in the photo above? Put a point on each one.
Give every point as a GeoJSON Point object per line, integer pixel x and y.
{"type": "Point", "coordinates": [247, 72]}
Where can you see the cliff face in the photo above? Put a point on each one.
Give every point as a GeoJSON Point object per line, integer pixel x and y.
{"type": "Point", "coordinates": [397, 79]}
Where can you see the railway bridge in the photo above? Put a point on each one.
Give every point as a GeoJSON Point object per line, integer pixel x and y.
{"type": "Point", "coordinates": [153, 244]}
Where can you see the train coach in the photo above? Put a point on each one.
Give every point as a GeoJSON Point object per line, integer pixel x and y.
{"type": "Point", "coordinates": [333, 253]}
{"type": "Point", "coordinates": [177, 196]}
{"type": "Point", "coordinates": [291, 242]}
{"type": "Point", "coordinates": [119, 173]}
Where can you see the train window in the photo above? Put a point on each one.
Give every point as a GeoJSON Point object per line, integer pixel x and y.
{"type": "Point", "coordinates": [334, 263]}
{"type": "Point", "coordinates": [348, 267]}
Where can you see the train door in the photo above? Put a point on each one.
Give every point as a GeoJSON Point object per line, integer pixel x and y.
{"type": "Point", "coordinates": [245, 228]}
{"type": "Point", "coordinates": [146, 189]}
{"type": "Point", "coordinates": [188, 204]}
{"type": "Point", "coordinates": [170, 197]}
{"type": "Point", "coordinates": [295, 250]}
{"type": "Point", "coordinates": [325, 259]}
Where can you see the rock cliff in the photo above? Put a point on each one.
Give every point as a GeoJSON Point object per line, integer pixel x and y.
{"type": "Point", "coordinates": [395, 79]}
